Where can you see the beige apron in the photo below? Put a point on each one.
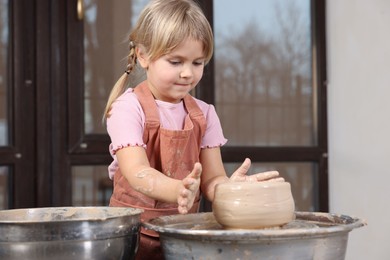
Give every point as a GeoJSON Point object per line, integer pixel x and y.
{"type": "Point", "coordinates": [173, 152]}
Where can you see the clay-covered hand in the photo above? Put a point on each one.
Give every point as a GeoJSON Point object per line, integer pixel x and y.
{"type": "Point", "coordinates": [189, 189]}
{"type": "Point", "coordinates": [240, 174]}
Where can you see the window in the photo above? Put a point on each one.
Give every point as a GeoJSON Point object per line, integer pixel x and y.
{"type": "Point", "coordinates": [267, 75]}
{"type": "Point", "coordinates": [269, 92]}
{"type": "Point", "coordinates": [4, 54]}
{"type": "Point", "coordinates": [264, 80]}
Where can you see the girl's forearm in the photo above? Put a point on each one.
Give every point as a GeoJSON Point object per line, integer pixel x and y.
{"type": "Point", "coordinates": [154, 184]}
{"type": "Point", "coordinates": [208, 187]}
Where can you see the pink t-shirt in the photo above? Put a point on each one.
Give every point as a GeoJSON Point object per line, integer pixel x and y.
{"type": "Point", "coordinates": [126, 123]}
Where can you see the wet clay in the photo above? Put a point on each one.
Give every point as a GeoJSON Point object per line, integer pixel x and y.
{"type": "Point", "coordinates": [253, 205]}
{"type": "Point", "coordinates": [64, 214]}
{"type": "Point", "coordinates": [149, 179]}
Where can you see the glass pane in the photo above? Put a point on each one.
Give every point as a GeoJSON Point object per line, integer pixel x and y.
{"type": "Point", "coordinates": [4, 42]}
{"type": "Point", "coordinates": [4, 190]}
{"type": "Point", "coordinates": [91, 186]}
{"type": "Point", "coordinates": [106, 28]}
{"type": "Point", "coordinates": [263, 72]}
{"type": "Point", "coordinates": [302, 177]}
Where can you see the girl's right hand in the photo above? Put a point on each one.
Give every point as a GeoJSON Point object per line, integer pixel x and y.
{"type": "Point", "coordinates": [189, 189]}
{"type": "Point", "coordinates": [241, 174]}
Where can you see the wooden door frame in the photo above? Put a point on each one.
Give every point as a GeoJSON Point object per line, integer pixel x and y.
{"type": "Point", "coordinates": [19, 155]}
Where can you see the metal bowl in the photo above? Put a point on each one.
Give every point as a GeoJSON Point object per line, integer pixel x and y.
{"type": "Point", "coordinates": [310, 236]}
{"type": "Point", "coordinates": [69, 233]}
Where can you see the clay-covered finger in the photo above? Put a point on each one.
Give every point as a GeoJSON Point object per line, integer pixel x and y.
{"type": "Point", "coordinates": [279, 179]}
{"type": "Point", "coordinates": [267, 175]}
{"type": "Point", "coordinates": [182, 210]}
{"type": "Point", "coordinates": [197, 171]}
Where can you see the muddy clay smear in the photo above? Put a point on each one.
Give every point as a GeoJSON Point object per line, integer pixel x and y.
{"type": "Point", "coordinates": [295, 224]}
{"type": "Point", "coordinates": [63, 214]}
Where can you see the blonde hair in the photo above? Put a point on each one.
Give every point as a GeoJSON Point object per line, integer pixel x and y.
{"type": "Point", "coordinates": [161, 27]}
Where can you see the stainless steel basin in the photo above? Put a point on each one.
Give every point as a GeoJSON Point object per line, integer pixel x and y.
{"type": "Point", "coordinates": [69, 233]}
{"type": "Point", "coordinates": [311, 235]}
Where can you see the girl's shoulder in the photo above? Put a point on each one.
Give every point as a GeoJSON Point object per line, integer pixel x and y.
{"type": "Point", "coordinates": [127, 98]}
{"type": "Point", "coordinates": [205, 107]}
{"type": "Point", "coordinates": [128, 94]}
{"type": "Point", "coordinates": [127, 103]}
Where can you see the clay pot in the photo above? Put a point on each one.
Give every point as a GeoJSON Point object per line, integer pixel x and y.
{"type": "Point", "coordinates": [253, 205]}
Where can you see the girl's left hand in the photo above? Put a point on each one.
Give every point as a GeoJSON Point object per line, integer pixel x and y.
{"type": "Point", "coordinates": [189, 189]}
{"type": "Point", "coordinates": [240, 174]}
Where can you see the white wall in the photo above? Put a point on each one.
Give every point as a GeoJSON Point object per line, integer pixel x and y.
{"type": "Point", "coordinates": [358, 49]}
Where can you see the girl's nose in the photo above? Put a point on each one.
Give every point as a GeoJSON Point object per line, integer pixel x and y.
{"type": "Point", "coordinates": [186, 72]}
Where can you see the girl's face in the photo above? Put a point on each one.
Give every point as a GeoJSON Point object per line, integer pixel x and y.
{"type": "Point", "coordinates": [173, 75]}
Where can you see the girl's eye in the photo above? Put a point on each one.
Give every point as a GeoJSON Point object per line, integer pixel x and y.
{"type": "Point", "coordinates": [174, 62]}
{"type": "Point", "coordinates": [177, 62]}
{"type": "Point", "coordinates": [198, 63]}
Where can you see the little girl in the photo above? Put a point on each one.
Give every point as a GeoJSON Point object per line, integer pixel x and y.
{"type": "Point", "coordinates": [164, 142]}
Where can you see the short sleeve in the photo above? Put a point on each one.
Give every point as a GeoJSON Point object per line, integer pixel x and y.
{"type": "Point", "coordinates": [213, 136]}
{"type": "Point", "coordinates": [125, 124]}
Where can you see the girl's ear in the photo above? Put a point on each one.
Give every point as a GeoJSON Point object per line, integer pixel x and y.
{"type": "Point", "coordinates": [142, 57]}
